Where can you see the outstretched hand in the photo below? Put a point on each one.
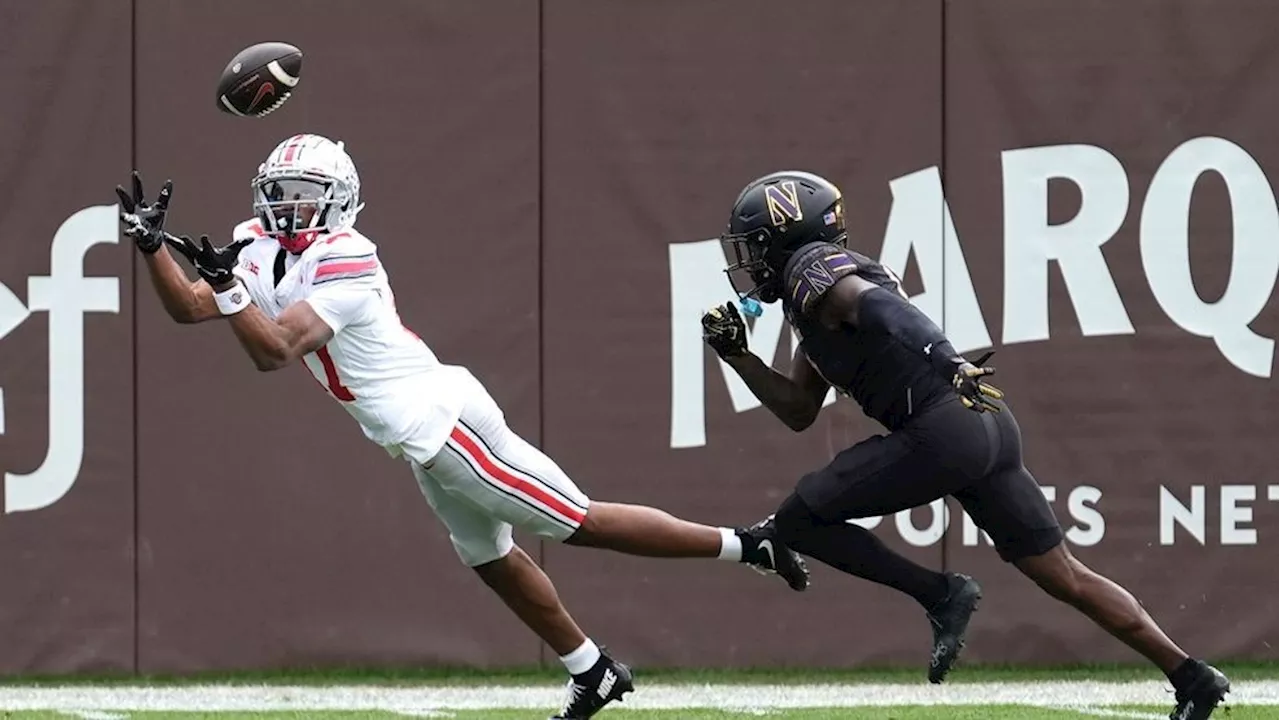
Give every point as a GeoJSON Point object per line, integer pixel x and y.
{"type": "Point", "coordinates": [142, 221]}
{"type": "Point", "coordinates": [215, 264]}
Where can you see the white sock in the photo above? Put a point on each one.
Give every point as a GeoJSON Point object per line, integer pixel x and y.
{"type": "Point", "coordinates": [730, 545]}
{"type": "Point", "coordinates": [582, 659]}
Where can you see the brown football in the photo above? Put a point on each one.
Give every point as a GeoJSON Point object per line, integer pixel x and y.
{"type": "Point", "coordinates": [259, 79]}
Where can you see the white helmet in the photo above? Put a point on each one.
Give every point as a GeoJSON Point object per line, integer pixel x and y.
{"type": "Point", "coordinates": [307, 186]}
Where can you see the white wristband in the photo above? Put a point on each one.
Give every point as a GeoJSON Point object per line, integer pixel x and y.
{"type": "Point", "coordinates": [233, 299]}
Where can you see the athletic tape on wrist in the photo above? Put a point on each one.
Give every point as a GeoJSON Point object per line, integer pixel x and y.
{"type": "Point", "coordinates": [233, 299]}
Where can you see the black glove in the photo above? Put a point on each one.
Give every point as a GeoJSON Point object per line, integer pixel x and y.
{"type": "Point", "coordinates": [969, 386]}
{"type": "Point", "coordinates": [144, 223]}
{"type": "Point", "coordinates": [724, 330]}
{"type": "Point", "coordinates": [213, 263]}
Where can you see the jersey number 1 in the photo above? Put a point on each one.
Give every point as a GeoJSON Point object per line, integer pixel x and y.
{"type": "Point", "coordinates": [335, 386]}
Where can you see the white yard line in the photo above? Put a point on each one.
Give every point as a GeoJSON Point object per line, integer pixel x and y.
{"type": "Point", "coordinates": [421, 700]}
{"type": "Point", "coordinates": [1109, 713]}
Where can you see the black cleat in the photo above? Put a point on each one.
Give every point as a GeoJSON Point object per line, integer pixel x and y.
{"type": "Point", "coordinates": [1198, 698]}
{"type": "Point", "coordinates": [606, 681]}
{"type": "Point", "coordinates": [950, 619]}
{"type": "Point", "coordinates": [762, 550]}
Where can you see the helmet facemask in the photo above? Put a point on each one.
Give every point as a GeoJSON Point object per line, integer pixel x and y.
{"type": "Point", "coordinates": [296, 208]}
{"type": "Point", "coordinates": [750, 273]}
{"type": "Point", "coordinates": [307, 186]}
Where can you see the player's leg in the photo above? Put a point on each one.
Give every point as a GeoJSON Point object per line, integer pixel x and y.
{"type": "Point", "coordinates": [518, 483]}
{"type": "Point", "coordinates": [1013, 511]}
{"type": "Point", "coordinates": [881, 476]}
{"type": "Point", "coordinates": [1199, 687]}
{"type": "Point", "coordinates": [484, 543]}
{"type": "Point", "coordinates": [646, 531]}
{"type": "Point", "coordinates": [854, 550]}
{"type": "Point", "coordinates": [1010, 506]}
{"type": "Point", "coordinates": [527, 590]}
{"type": "Point", "coordinates": [1113, 608]}
{"type": "Point", "coordinates": [650, 532]}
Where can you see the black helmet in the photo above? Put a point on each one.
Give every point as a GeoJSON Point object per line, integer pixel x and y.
{"type": "Point", "coordinates": [773, 217]}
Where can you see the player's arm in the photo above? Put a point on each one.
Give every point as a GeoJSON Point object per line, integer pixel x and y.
{"type": "Point", "coordinates": [344, 296]}
{"type": "Point", "coordinates": [825, 282]}
{"type": "Point", "coordinates": [273, 344]}
{"type": "Point", "coordinates": [184, 300]}
{"type": "Point", "coordinates": [795, 399]}
{"type": "Point", "coordinates": [306, 326]}
{"type": "Point", "coordinates": [856, 301]}
{"type": "Point", "coordinates": [863, 304]}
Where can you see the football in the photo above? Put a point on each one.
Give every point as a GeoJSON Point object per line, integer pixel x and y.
{"type": "Point", "coordinates": [259, 79]}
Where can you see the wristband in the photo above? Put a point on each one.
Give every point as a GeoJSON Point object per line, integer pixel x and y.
{"type": "Point", "coordinates": [233, 299]}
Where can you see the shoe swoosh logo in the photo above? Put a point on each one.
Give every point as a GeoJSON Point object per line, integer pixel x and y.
{"type": "Point", "coordinates": [767, 546]}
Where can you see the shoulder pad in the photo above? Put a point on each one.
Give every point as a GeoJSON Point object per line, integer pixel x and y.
{"type": "Point", "coordinates": [811, 272]}
{"type": "Point", "coordinates": [248, 230]}
{"type": "Point", "coordinates": [346, 255]}
{"type": "Point", "coordinates": [346, 242]}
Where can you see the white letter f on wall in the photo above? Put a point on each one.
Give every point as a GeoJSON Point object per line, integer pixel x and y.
{"type": "Point", "coordinates": [66, 294]}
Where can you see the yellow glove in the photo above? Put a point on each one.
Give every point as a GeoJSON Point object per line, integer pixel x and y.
{"type": "Point", "coordinates": [973, 392]}
{"type": "Point", "coordinates": [725, 331]}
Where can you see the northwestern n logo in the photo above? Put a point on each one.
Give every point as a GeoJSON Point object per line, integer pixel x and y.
{"type": "Point", "coordinates": [784, 204]}
{"type": "Point", "coordinates": [819, 276]}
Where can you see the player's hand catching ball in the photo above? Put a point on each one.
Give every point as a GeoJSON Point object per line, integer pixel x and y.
{"type": "Point", "coordinates": [974, 393]}
{"type": "Point", "coordinates": [144, 222]}
{"type": "Point", "coordinates": [215, 264]}
{"type": "Point", "coordinates": [724, 330]}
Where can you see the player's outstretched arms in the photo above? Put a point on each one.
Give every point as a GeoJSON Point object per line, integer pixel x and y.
{"type": "Point", "coordinates": [185, 301]}
{"type": "Point", "coordinates": [273, 344]}
{"type": "Point", "coordinates": [794, 399]}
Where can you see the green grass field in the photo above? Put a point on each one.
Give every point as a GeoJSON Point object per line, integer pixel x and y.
{"type": "Point", "coordinates": [982, 712]}
{"type": "Point", "coordinates": [985, 712]}
{"type": "Point", "coordinates": [989, 693]}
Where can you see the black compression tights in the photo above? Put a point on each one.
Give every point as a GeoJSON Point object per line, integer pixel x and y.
{"type": "Point", "coordinates": [855, 550]}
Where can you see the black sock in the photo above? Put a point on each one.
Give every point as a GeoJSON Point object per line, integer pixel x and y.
{"type": "Point", "coordinates": [855, 550]}
{"type": "Point", "coordinates": [1185, 674]}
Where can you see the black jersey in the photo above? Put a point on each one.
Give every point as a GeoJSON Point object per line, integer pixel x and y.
{"type": "Point", "coordinates": [890, 382]}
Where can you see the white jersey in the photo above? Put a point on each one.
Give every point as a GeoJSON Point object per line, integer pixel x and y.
{"type": "Point", "coordinates": [381, 373]}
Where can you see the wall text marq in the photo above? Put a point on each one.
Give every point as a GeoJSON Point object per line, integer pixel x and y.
{"type": "Point", "coordinates": [920, 222]}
